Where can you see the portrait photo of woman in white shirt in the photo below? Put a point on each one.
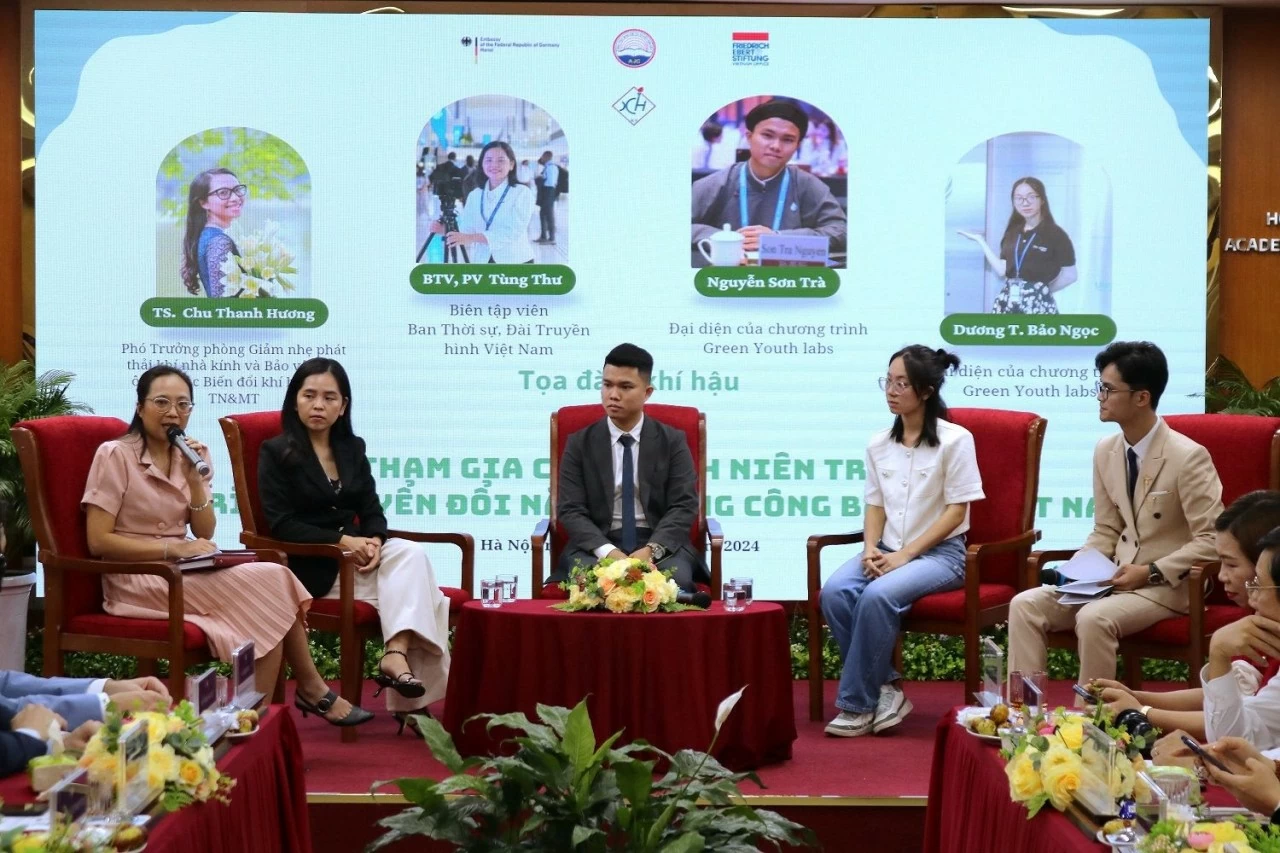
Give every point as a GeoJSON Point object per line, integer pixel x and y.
{"type": "Point", "coordinates": [494, 224]}
{"type": "Point", "coordinates": [922, 474]}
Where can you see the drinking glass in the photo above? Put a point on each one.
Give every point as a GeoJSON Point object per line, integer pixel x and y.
{"type": "Point", "coordinates": [1017, 690]}
{"type": "Point", "coordinates": [490, 593]}
{"type": "Point", "coordinates": [1040, 679]}
{"type": "Point", "coordinates": [223, 690]}
{"type": "Point", "coordinates": [508, 588]}
{"type": "Point", "coordinates": [735, 599]}
{"type": "Point", "coordinates": [746, 585]}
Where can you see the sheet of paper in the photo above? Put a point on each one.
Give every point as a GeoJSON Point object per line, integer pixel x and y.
{"type": "Point", "coordinates": [1085, 587]}
{"type": "Point", "coordinates": [1087, 565]}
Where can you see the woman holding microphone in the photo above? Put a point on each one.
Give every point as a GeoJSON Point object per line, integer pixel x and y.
{"type": "Point", "coordinates": [922, 474]}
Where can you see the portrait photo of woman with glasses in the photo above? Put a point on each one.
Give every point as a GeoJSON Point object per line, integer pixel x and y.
{"type": "Point", "coordinates": [215, 199]}
{"type": "Point", "coordinates": [922, 474]}
{"type": "Point", "coordinates": [233, 218]}
{"type": "Point", "coordinates": [1036, 258]}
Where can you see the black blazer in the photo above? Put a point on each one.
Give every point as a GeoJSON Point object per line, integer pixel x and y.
{"type": "Point", "coordinates": [668, 485]}
{"type": "Point", "coordinates": [16, 748]}
{"type": "Point", "coordinates": [301, 505]}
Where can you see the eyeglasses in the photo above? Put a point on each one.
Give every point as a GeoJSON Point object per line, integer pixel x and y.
{"type": "Point", "coordinates": [898, 386]}
{"type": "Point", "coordinates": [164, 404]}
{"type": "Point", "coordinates": [1252, 585]}
{"type": "Point", "coordinates": [1026, 199]}
{"type": "Point", "coordinates": [1102, 391]}
{"type": "Point", "coordinates": [225, 193]}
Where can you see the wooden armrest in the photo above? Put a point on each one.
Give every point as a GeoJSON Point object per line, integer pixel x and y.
{"type": "Point", "coordinates": [1022, 542]}
{"type": "Point", "coordinates": [538, 545]}
{"type": "Point", "coordinates": [814, 551]}
{"type": "Point", "coordinates": [465, 542]}
{"type": "Point", "coordinates": [540, 530]}
{"type": "Point", "coordinates": [714, 530]}
{"type": "Point", "coordinates": [715, 539]}
{"type": "Point", "coordinates": [1039, 558]}
{"type": "Point", "coordinates": [297, 549]}
{"type": "Point", "coordinates": [111, 567]}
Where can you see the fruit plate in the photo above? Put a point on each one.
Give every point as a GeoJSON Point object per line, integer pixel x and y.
{"type": "Point", "coordinates": [234, 736]}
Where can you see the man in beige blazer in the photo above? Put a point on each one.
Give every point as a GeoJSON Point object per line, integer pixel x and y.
{"type": "Point", "coordinates": [1155, 497]}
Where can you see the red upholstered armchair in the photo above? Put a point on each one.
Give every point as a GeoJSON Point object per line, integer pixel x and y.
{"type": "Point", "coordinates": [56, 454]}
{"type": "Point", "coordinates": [352, 620]}
{"type": "Point", "coordinates": [705, 533]}
{"type": "Point", "coordinates": [1001, 534]}
{"type": "Point", "coordinates": [1246, 453]}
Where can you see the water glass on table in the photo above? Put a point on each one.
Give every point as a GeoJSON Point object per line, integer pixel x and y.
{"type": "Point", "coordinates": [735, 598]}
{"type": "Point", "coordinates": [746, 585]}
{"type": "Point", "coordinates": [490, 593]}
{"type": "Point", "coordinates": [1017, 690]}
{"type": "Point", "coordinates": [508, 588]}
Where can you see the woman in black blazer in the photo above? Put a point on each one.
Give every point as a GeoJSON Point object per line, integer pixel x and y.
{"type": "Point", "coordinates": [316, 486]}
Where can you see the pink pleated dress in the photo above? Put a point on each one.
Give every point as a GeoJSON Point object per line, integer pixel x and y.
{"type": "Point", "coordinates": [252, 601]}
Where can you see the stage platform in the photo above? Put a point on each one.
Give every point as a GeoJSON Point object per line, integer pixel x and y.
{"type": "Point", "coordinates": [846, 790]}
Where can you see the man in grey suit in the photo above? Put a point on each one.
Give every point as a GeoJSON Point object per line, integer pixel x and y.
{"type": "Point", "coordinates": [78, 700]}
{"type": "Point", "coordinates": [627, 483]}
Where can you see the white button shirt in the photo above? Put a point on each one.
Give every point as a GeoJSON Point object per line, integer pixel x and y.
{"type": "Point", "coordinates": [915, 484]}
{"type": "Point", "coordinates": [1228, 712]}
{"type": "Point", "coordinates": [614, 434]}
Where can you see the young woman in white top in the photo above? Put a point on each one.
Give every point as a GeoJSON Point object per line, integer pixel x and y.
{"type": "Point", "coordinates": [494, 225]}
{"type": "Point", "coordinates": [922, 474]}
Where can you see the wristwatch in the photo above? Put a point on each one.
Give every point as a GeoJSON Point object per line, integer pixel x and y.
{"type": "Point", "coordinates": [1154, 576]}
{"type": "Point", "coordinates": [658, 550]}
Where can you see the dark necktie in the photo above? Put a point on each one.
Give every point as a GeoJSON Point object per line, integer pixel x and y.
{"type": "Point", "coordinates": [628, 495]}
{"type": "Point", "coordinates": [1133, 473]}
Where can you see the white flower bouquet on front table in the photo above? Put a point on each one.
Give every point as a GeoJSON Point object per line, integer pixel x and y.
{"type": "Point", "coordinates": [263, 268]}
{"type": "Point", "coordinates": [622, 586]}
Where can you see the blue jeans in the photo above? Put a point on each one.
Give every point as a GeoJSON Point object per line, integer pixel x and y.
{"type": "Point", "coordinates": [864, 615]}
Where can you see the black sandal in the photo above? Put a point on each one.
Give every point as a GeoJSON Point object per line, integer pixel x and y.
{"type": "Point", "coordinates": [354, 717]}
{"type": "Point", "coordinates": [406, 718]}
{"type": "Point", "coordinates": [406, 684]}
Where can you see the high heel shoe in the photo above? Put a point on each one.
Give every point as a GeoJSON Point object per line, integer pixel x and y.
{"type": "Point", "coordinates": [354, 717]}
{"type": "Point", "coordinates": [407, 718]}
{"type": "Point", "coordinates": [405, 683]}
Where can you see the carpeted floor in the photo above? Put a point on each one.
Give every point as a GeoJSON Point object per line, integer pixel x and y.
{"type": "Point", "coordinates": [891, 765]}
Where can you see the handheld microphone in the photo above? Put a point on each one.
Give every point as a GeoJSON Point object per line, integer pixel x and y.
{"type": "Point", "coordinates": [175, 438]}
{"type": "Point", "coordinates": [697, 599]}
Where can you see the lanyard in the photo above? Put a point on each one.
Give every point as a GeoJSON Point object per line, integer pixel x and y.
{"type": "Point", "coordinates": [742, 198]}
{"type": "Point", "coordinates": [488, 220]}
{"type": "Point", "coordinates": [1019, 258]}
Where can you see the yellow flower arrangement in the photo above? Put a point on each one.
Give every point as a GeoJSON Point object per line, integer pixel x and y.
{"type": "Point", "coordinates": [621, 586]}
{"type": "Point", "coordinates": [1024, 776]}
{"type": "Point", "coordinates": [1060, 771]}
{"type": "Point", "coordinates": [179, 759]}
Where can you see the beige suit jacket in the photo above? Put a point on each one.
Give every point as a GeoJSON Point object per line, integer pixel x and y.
{"type": "Point", "coordinates": [1175, 502]}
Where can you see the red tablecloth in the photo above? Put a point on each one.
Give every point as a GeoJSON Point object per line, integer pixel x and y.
{"type": "Point", "coordinates": [660, 676]}
{"type": "Point", "coordinates": [970, 810]}
{"type": "Point", "coordinates": [268, 810]}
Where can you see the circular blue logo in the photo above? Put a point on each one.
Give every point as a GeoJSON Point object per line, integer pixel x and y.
{"type": "Point", "coordinates": [634, 48]}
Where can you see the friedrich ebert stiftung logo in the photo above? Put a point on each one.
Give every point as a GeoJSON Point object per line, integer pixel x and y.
{"type": "Point", "coordinates": [634, 48]}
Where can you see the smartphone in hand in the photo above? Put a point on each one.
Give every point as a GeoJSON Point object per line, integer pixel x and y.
{"type": "Point", "coordinates": [1085, 694]}
{"type": "Point", "coordinates": [1204, 753]}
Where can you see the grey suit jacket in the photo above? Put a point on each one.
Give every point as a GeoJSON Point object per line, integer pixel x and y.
{"type": "Point", "coordinates": [668, 485]}
{"type": "Point", "coordinates": [1175, 502]}
{"type": "Point", "coordinates": [67, 697]}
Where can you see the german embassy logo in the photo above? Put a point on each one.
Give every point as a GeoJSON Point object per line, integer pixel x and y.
{"type": "Point", "coordinates": [634, 48]}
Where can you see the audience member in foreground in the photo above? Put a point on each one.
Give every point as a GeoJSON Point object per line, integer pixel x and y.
{"type": "Point", "coordinates": [24, 735]}
{"type": "Point", "coordinates": [78, 700]}
{"type": "Point", "coordinates": [922, 474]}
{"type": "Point", "coordinates": [1227, 713]}
{"type": "Point", "coordinates": [1239, 530]}
{"type": "Point", "coordinates": [316, 486]}
{"type": "Point", "coordinates": [140, 498]}
{"type": "Point", "coordinates": [1155, 497]}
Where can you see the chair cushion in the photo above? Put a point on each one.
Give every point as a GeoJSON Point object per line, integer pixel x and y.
{"type": "Point", "coordinates": [255, 428]}
{"type": "Point", "coordinates": [106, 625]}
{"type": "Point", "coordinates": [1001, 441]}
{"type": "Point", "coordinates": [1240, 446]}
{"type": "Point", "coordinates": [554, 592]}
{"type": "Point", "coordinates": [949, 606]}
{"type": "Point", "coordinates": [457, 597]}
{"type": "Point", "coordinates": [364, 611]}
{"type": "Point", "coordinates": [1176, 631]}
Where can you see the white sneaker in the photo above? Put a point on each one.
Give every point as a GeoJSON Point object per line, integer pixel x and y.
{"type": "Point", "coordinates": [850, 725]}
{"type": "Point", "coordinates": [892, 708]}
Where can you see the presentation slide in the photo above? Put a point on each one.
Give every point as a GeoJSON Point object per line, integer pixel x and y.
{"type": "Point", "coordinates": [469, 212]}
